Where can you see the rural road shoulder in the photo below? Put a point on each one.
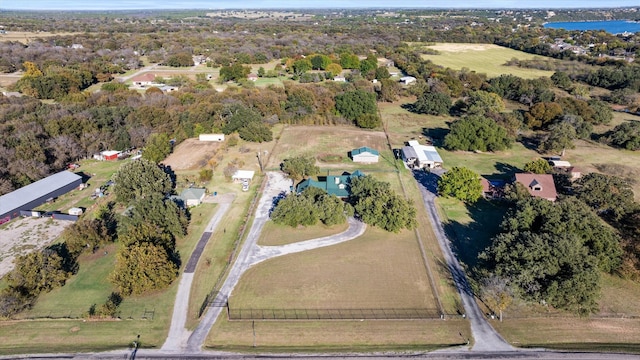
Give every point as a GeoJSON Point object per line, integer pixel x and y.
{"type": "Point", "coordinates": [485, 336]}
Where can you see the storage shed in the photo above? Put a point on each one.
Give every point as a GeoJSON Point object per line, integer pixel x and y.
{"type": "Point", "coordinates": [365, 155]}
{"type": "Point", "coordinates": [243, 176]}
{"type": "Point", "coordinates": [211, 137]}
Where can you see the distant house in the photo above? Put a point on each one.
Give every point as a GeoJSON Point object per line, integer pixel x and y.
{"type": "Point", "coordinates": [333, 185]}
{"type": "Point", "coordinates": [365, 155]}
{"type": "Point", "coordinates": [211, 137]}
{"type": "Point", "coordinates": [339, 79]}
{"type": "Point", "coordinates": [243, 176]}
{"type": "Point", "coordinates": [252, 77]}
{"type": "Point", "coordinates": [538, 185]}
{"type": "Point", "coordinates": [421, 156]}
{"type": "Point", "coordinates": [192, 196]}
{"type": "Point", "coordinates": [168, 88]}
{"type": "Point", "coordinates": [407, 80]}
{"type": "Point", "coordinates": [37, 193]}
{"type": "Point", "coordinates": [144, 79]}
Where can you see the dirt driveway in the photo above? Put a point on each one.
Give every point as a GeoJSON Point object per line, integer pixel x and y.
{"type": "Point", "coordinates": [21, 236]}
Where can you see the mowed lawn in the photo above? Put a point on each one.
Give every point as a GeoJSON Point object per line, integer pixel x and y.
{"type": "Point", "coordinates": [486, 59]}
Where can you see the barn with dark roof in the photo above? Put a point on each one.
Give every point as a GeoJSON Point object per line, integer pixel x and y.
{"type": "Point", "coordinates": [36, 194]}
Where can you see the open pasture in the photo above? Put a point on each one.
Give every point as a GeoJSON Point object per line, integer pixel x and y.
{"type": "Point", "coordinates": [483, 58]}
{"type": "Point", "coordinates": [331, 143]}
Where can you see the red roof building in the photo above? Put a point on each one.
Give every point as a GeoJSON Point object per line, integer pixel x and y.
{"type": "Point", "coordinates": [144, 79]}
{"type": "Point", "coordinates": [539, 185]}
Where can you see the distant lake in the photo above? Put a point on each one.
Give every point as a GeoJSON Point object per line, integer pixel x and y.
{"type": "Point", "coordinates": [613, 27]}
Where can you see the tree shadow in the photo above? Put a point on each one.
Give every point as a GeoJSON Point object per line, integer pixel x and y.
{"type": "Point", "coordinates": [470, 239]}
{"type": "Point", "coordinates": [530, 142]}
{"type": "Point", "coordinates": [505, 171]}
{"type": "Point", "coordinates": [428, 179]}
{"type": "Point", "coordinates": [436, 134]}
{"type": "Point", "coordinates": [409, 107]}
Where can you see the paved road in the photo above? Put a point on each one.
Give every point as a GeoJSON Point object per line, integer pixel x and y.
{"type": "Point", "coordinates": [450, 354]}
{"type": "Point", "coordinates": [485, 337]}
{"type": "Point", "coordinates": [178, 334]}
{"type": "Point", "coordinates": [251, 254]}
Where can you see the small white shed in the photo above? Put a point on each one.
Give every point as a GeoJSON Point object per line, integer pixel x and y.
{"type": "Point", "coordinates": [211, 137]}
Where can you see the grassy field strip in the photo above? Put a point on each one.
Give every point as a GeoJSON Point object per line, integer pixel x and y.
{"type": "Point", "coordinates": [573, 333]}
{"type": "Point", "coordinates": [486, 59]}
{"type": "Point", "coordinates": [338, 336]}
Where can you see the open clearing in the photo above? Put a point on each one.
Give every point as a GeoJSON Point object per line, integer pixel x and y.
{"type": "Point", "coordinates": [322, 141]}
{"type": "Point", "coordinates": [22, 236]}
{"type": "Point", "coordinates": [26, 37]}
{"type": "Point", "coordinates": [488, 59]}
{"type": "Point", "coordinates": [191, 154]}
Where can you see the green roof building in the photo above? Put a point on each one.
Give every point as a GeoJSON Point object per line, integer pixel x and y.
{"type": "Point", "coordinates": [333, 185]}
{"type": "Point", "coordinates": [365, 155]}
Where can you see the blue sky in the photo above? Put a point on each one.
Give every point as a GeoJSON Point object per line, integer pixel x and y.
{"type": "Point", "coordinates": [216, 4]}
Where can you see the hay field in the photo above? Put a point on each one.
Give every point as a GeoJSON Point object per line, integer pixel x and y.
{"type": "Point", "coordinates": [323, 141]}
{"type": "Point", "coordinates": [377, 270]}
{"type": "Point", "coordinates": [26, 37]}
{"type": "Point", "coordinates": [483, 58]}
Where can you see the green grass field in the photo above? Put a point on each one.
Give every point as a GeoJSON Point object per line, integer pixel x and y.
{"type": "Point", "coordinates": [484, 59]}
{"type": "Point", "coordinates": [148, 315]}
{"type": "Point", "coordinates": [337, 336]}
{"type": "Point", "coordinates": [274, 234]}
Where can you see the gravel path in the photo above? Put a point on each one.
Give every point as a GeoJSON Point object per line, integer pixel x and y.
{"type": "Point", "coordinates": [486, 338]}
{"type": "Point", "coordinates": [251, 254]}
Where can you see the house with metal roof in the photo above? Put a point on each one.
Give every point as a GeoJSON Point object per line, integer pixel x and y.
{"type": "Point", "coordinates": [365, 155]}
{"type": "Point", "coordinates": [35, 194]}
{"type": "Point", "coordinates": [421, 156]}
{"type": "Point", "coordinates": [333, 185]}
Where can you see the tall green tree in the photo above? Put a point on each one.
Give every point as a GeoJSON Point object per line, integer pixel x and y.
{"type": "Point", "coordinates": [140, 178]}
{"type": "Point", "coordinates": [460, 183]}
{"type": "Point", "coordinates": [141, 268]}
{"type": "Point", "coordinates": [378, 205]}
{"type": "Point", "coordinates": [608, 195]}
{"type": "Point", "coordinates": [157, 148]}
{"type": "Point", "coordinates": [560, 138]}
{"type": "Point", "coordinates": [433, 103]}
{"type": "Point", "coordinates": [477, 133]}
{"type": "Point", "coordinates": [299, 167]}
{"type": "Point", "coordinates": [355, 104]}
{"type": "Point", "coordinates": [538, 166]}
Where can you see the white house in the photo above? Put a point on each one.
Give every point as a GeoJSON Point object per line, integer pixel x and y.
{"type": "Point", "coordinates": [407, 80]}
{"type": "Point", "coordinates": [421, 156]}
{"type": "Point", "coordinates": [365, 155]}
{"type": "Point", "coordinates": [192, 196]}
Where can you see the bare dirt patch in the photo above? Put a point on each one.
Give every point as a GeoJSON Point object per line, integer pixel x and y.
{"type": "Point", "coordinates": [191, 154]}
{"type": "Point", "coordinates": [22, 236]}
{"type": "Point", "coordinates": [451, 47]}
